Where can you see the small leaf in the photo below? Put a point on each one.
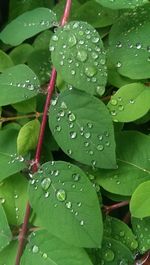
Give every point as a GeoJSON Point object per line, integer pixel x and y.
{"type": "Point", "coordinates": [71, 209]}
{"type": "Point", "coordinates": [10, 164]}
{"type": "Point", "coordinates": [118, 4]}
{"type": "Point", "coordinates": [19, 55]}
{"type": "Point", "coordinates": [43, 248]}
{"type": "Point", "coordinates": [129, 49]}
{"type": "Point", "coordinates": [28, 136]}
{"type": "Point", "coordinates": [26, 106]}
{"type": "Point", "coordinates": [133, 166]}
{"type": "Point", "coordinates": [8, 255]}
{"type": "Point", "coordinates": [42, 40]}
{"type": "Point", "coordinates": [82, 127]}
{"type": "Point", "coordinates": [116, 229]}
{"type": "Point", "coordinates": [5, 232]}
{"type": "Point", "coordinates": [28, 24]}
{"type": "Point", "coordinates": [114, 252]}
{"type": "Point", "coordinates": [20, 83]}
{"type": "Point", "coordinates": [8, 138]}
{"type": "Point", "coordinates": [13, 196]}
{"type": "Point", "coordinates": [81, 61]}
{"type": "Point", "coordinates": [130, 103]}
{"type": "Point", "coordinates": [141, 228]}
{"type": "Point", "coordinates": [5, 61]}
{"type": "Point", "coordinates": [140, 201]}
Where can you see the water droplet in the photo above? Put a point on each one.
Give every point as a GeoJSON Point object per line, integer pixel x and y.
{"type": "Point", "coordinates": [73, 135]}
{"type": "Point", "coordinates": [87, 135]}
{"type": "Point", "coordinates": [71, 117]}
{"type": "Point", "coordinates": [58, 128]}
{"type": "Point", "coordinates": [100, 90]}
{"type": "Point", "coordinates": [118, 65]}
{"type": "Point", "coordinates": [82, 55]}
{"type": "Point", "coordinates": [94, 55]}
{"type": "Point", "coordinates": [44, 256]}
{"type": "Point", "coordinates": [73, 72]}
{"type": "Point", "coordinates": [63, 105]}
{"type": "Point", "coordinates": [72, 40]}
{"type": "Point", "coordinates": [109, 255]}
{"type": "Point", "coordinates": [119, 44]}
{"type": "Point", "coordinates": [45, 184]}
{"type": "Point", "coordinates": [134, 245]}
{"type": "Point", "coordinates": [79, 204]}
{"type": "Point", "coordinates": [54, 38]}
{"type": "Point", "coordinates": [51, 48]}
{"type": "Point", "coordinates": [95, 39]}
{"type": "Point", "coordinates": [138, 46]}
{"type": "Point", "coordinates": [121, 107]}
{"type": "Point", "coordinates": [2, 200]}
{"type": "Point", "coordinates": [90, 71]}
{"type": "Point", "coordinates": [68, 205]}
{"type": "Point", "coordinates": [61, 195]}
{"type": "Point", "coordinates": [76, 177]}
{"type": "Point", "coordinates": [69, 152]}
{"type": "Point", "coordinates": [100, 147]}
{"type": "Point", "coordinates": [82, 222]}
{"type": "Point", "coordinates": [35, 249]}
{"type": "Point", "coordinates": [47, 194]}
{"type": "Point", "coordinates": [131, 101]}
{"type": "Point", "coordinates": [122, 233]}
{"type": "Point", "coordinates": [114, 102]}
{"type": "Point", "coordinates": [113, 113]}
{"type": "Point", "coordinates": [89, 125]}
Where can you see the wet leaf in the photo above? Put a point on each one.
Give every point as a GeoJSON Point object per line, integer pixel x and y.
{"type": "Point", "coordinates": [79, 56]}
{"type": "Point", "coordinates": [71, 209]}
{"type": "Point", "coordinates": [118, 4]}
{"type": "Point", "coordinates": [5, 232]}
{"type": "Point", "coordinates": [82, 127]}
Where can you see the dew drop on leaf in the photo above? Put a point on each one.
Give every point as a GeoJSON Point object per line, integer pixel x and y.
{"type": "Point", "coordinates": [45, 184]}
{"type": "Point", "coordinates": [90, 71]}
{"type": "Point", "coordinates": [35, 249]}
{"type": "Point", "coordinates": [82, 55]}
{"type": "Point", "coordinates": [61, 195]}
{"type": "Point", "coordinates": [109, 255]}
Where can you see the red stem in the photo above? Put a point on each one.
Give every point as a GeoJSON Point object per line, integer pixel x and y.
{"type": "Point", "coordinates": [50, 89]}
{"type": "Point", "coordinates": [108, 209]}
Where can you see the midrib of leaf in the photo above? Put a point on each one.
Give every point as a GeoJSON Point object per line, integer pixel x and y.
{"type": "Point", "coordinates": [134, 165]}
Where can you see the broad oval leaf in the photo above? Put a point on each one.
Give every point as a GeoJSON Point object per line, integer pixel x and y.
{"type": "Point", "coordinates": [71, 209]}
{"type": "Point", "coordinates": [118, 4]}
{"type": "Point", "coordinates": [140, 201]}
{"type": "Point", "coordinates": [10, 164]}
{"type": "Point", "coordinates": [141, 228]}
{"type": "Point", "coordinates": [79, 56]}
{"type": "Point", "coordinates": [130, 103]}
{"type": "Point", "coordinates": [114, 252]}
{"type": "Point", "coordinates": [28, 137]}
{"type": "Point", "coordinates": [27, 25]}
{"type": "Point", "coordinates": [20, 83]}
{"type": "Point", "coordinates": [129, 49]}
{"type": "Point", "coordinates": [133, 167]}
{"type": "Point", "coordinates": [13, 196]}
{"type": "Point", "coordinates": [118, 230]}
{"type": "Point", "coordinates": [82, 126]}
{"type": "Point", "coordinates": [43, 248]}
{"type": "Point", "coordinates": [5, 232]}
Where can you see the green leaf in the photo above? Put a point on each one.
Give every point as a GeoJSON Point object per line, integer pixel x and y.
{"type": "Point", "coordinates": [114, 252]}
{"type": "Point", "coordinates": [71, 209]}
{"type": "Point", "coordinates": [41, 42]}
{"type": "Point", "coordinates": [10, 164]}
{"type": "Point", "coordinates": [20, 83]}
{"type": "Point", "coordinates": [40, 62]}
{"type": "Point", "coordinates": [26, 106]}
{"type": "Point", "coordinates": [118, 4]}
{"type": "Point", "coordinates": [28, 137]}
{"type": "Point", "coordinates": [96, 15]}
{"type": "Point", "coordinates": [79, 56]}
{"type": "Point", "coordinates": [43, 248]}
{"type": "Point", "coordinates": [5, 61]}
{"type": "Point", "coordinates": [116, 229]}
{"type": "Point", "coordinates": [28, 24]}
{"type": "Point", "coordinates": [140, 201]}
{"type": "Point", "coordinates": [8, 255]}
{"type": "Point", "coordinates": [129, 45]}
{"type": "Point", "coordinates": [5, 233]}
{"type": "Point", "coordinates": [133, 151]}
{"type": "Point", "coordinates": [8, 138]}
{"type": "Point", "coordinates": [117, 80]}
{"type": "Point", "coordinates": [130, 103]}
{"type": "Point", "coordinates": [19, 55]}
{"type": "Point", "coordinates": [82, 127]}
{"type": "Point", "coordinates": [141, 228]}
{"type": "Point", "coordinates": [13, 194]}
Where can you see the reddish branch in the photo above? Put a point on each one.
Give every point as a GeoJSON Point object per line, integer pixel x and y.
{"type": "Point", "coordinates": [50, 89]}
{"type": "Point", "coordinates": [110, 208]}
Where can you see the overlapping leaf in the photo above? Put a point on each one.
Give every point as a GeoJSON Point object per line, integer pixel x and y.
{"type": "Point", "coordinates": [79, 56]}
{"type": "Point", "coordinates": [5, 233]}
{"type": "Point", "coordinates": [118, 4]}
{"type": "Point", "coordinates": [20, 83]}
{"type": "Point", "coordinates": [8, 255]}
{"type": "Point", "coordinates": [82, 127]}
{"type": "Point", "coordinates": [68, 203]}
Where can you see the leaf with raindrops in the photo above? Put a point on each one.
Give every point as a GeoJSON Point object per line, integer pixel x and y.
{"type": "Point", "coordinates": [119, 4]}
{"type": "Point", "coordinates": [20, 83]}
{"type": "Point", "coordinates": [10, 164]}
{"type": "Point", "coordinates": [68, 203]}
{"type": "Point", "coordinates": [114, 252]}
{"type": "Point", "coordinates": [78, 55]}
{"type": "Point", "coordinates": [118, 230]}
{"type": "Point", "coordinates": [13, 196]}
{"type": "Point", "coordinates": [129, 47]}
{"type": "Point", "coordinates": [130, 103]}
{"type": "Point", "coordinates": [28, 24]}
{"type": "Point", "coordinates": [141, 228]}
{"type": "Point", "coordinates": [5, 232]}
{"type": "Point", "coordinates": [8, 255]}
{"type": "Point", "coordinates": [82, 127]}
{"type": "Point", "coordinates": [43, 248]}
{"type": "Point", "coordinates": [133, 166]}
{"type": "Point", "coordinates": [140, 201]}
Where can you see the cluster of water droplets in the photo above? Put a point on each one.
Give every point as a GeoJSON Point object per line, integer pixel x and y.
{"type": "Point", "coordinates": [82, 54]}
{"type": "Point", "coordinates": [46, 23]}
{"type": "Point", "coordinates": [27, 84]}
{"type": "Point", "coordinates": [15, 158]}
{"type": "Point", "coordinates": [35, 249]}
{"type": "Point", "coordinates": [143, 235]}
